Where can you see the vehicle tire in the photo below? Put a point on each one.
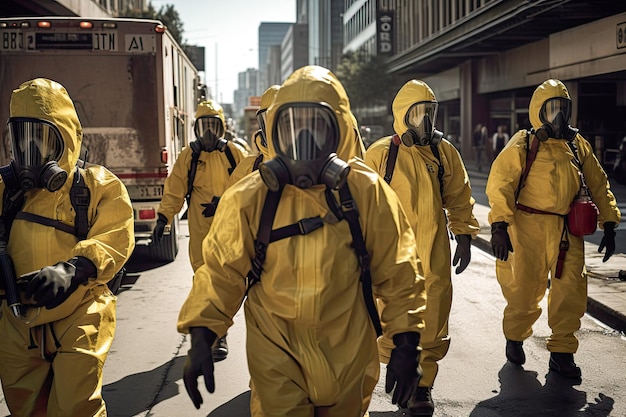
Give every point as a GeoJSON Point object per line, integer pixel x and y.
{"type": "Point", "coordinates": [167, 248]}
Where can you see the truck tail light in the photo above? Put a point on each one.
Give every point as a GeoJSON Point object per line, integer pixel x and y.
{"type": "Point", "coordinates": [147, 214]}
{"type": "Point", "coordinates": [164, 155]}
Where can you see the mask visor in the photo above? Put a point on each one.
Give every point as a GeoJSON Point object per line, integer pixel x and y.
{"type": "Point", "coordinates": [553, 107]}
{"type": "Point", "coordinates": [34, 142]}
{"type": "Point", "coordinates": [305, 131]}
{"type": "Point", "coordinates": [205, 125]}
{"type": "Point", "coordinates": [419, 112]}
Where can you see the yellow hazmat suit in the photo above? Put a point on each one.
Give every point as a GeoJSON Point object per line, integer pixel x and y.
{"type": "Point", "coordinates": [211, 180]}
{"type": "Point", "coordinates": [310, 341]}
{"type": "Point", "coordinates": [551, 186]}
{"type": "Point", "coordinates": [74, 337]}
{"type": "Point", "coordinates": [415, 180]}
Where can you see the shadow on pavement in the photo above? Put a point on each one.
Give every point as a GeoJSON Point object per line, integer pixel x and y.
{"type": "Point", "coordinates": [238, 406]}
{"type": "Point", "coordinates": [129, 396]}
{"type": "Point", "coordinates": [521, 394]}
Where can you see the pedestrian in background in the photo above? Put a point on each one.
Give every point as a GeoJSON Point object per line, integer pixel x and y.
{"type": "Point", "coordinates": [200, 176]}
{"type": "Point", "coordinates": [499, 140]}
{"type": "Point", "coordinates": [53, 347]}
{"type": "Point", "coordinates": [311, 341]}
{"type": "Point", "coordinates": [478, 143]}
{"type": "Point", "coordinates": [531, 188]}
{"type": "Point", "coordinates": [428, 175]}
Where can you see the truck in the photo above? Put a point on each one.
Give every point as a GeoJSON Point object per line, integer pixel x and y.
{"type": "Point", "coordinates": [135, 92]}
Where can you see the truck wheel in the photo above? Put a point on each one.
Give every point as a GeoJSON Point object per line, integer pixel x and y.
{"type": "Point", "coordinates": [166, 249]}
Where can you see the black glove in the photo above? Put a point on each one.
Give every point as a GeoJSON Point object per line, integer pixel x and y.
{"type": "Point", "coordinates": [209, 208]}
{"type": "Point", "coordinates": [403, 370]}
{"type": "Point", "coordinates": [157, 233]}
{"type": "Point", "coordinates": [608, 241]}
{"type": "Point", "coordinates": [52, 285]}
{"type": "Point", "coordinates": [463, 253]}
{"type": "Point", "coordinates": [199, 362]}
{"type": "Point", "coordinates": [500, 241]}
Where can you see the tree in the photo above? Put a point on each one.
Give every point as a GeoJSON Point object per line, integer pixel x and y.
{"type": "Point", "coordinates": [368, 84]}
{"type": "Point", "coordinates": [167, 14]}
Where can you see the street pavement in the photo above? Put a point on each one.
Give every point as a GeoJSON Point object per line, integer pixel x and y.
{"type": "Point", "coordinates": [606, 281]}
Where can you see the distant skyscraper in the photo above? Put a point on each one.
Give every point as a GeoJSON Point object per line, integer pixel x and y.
{"type": "Point", "coordinates": [270, 34]}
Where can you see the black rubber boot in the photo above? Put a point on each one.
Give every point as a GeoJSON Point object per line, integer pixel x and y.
{"type": "Point", "coordinates": [563, 363]}
{"type": "Point", "coordinates": [421, 403]}
{"type": "Point", "coordinates": [515, 352]}
{"type": "Point", "coordinates": [220, 350]}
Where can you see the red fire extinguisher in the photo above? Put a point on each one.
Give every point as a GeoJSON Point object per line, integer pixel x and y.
{"type": "Point", "coordinates": [582, 218]}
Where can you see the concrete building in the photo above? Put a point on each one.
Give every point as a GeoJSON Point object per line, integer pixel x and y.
{"type": "Point", "coordinates": [484, 58]}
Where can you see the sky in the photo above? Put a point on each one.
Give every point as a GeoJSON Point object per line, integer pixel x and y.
{"type": "Point", "coordinates": [229, 32]}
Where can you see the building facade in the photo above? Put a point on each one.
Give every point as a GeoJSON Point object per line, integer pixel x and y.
{"type": "Point", "coordinates": [484, 58]}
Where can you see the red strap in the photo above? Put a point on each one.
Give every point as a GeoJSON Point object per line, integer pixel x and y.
{"type": "Point", "coordinates": [531, 210]}
{"type": "Point", "coordinates": [530, 158]}
{"type": "Point", "coordinates": [563, 248]}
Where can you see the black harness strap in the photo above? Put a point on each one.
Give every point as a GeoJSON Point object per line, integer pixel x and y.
{"type": "Point", "coordinates": [231, 159]}
{"type": "Point", "coordinates": [393, 155]}
{"type": "Point", "coordinates": [257, 161]}
{"type": "Point", "coordinates": [193, 167]}
{"type": "Point", "coordinates": [302, 227]}
{"type": "Point", "coordinates": [80, 196]}
{"type": "Point", "coordinates": [391, 159]}
{"type": "Point", "coordinates": [347, 210]}
{"type": "Point", "coordinates": [35, 218]}
{"type": "Point", "coordinates": [351, 215]}
{"type": "Point", "coordinates": [191, 176]}
{"type": "Point", "coordinates": [263, 236]}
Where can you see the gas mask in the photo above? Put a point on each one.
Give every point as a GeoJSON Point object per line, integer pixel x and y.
{"type": "Point", "coordinates": [555, 115]}
{"type": "Point", "coordinates": [209, 131]}
{"type": "Point", "coordinates": [306, 137]}
{"type": "Point", "coordinates": [420, 120]}
{"type": "Point", "coordinates": [37, 146]}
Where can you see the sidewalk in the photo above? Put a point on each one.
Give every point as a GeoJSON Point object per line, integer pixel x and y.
{"type": "Point", "coordinates": [606, 291]}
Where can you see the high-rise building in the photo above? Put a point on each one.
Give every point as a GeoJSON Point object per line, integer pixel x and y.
{"type": "Point", "coordinates": [247, 86]}
{"type": "Point", "coordinates": [270, 34]}
{"type": "Point", "coordinates": [325, 20]}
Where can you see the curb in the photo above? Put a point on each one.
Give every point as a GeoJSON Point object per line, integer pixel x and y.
{"type": "Point", "coordinates": [595, 308]}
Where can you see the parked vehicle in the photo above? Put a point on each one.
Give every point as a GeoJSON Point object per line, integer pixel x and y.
{"type": "Point", "coordinates": [135, 92]}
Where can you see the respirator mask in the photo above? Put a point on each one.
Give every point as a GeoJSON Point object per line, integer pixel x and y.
{"type": "Point", "coordinates": [420, 120]}
{"type": "Point", "coordinates": [555, 115]}
{"type": "Point", "coordinates": [305, 137]}
{"type": "Point", "coordinates": [209, 131]}
{"type": "Point", "coordinates": [37, 146]}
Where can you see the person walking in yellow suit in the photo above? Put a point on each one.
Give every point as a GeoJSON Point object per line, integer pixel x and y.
{"type": "Point", "coordinates": [53, 347]}
{"type": "Point", "coordinates": [529, 230]}
{"type": "Point", "coordinates": [310, 339]}
{"type": "Point", "coordinates": [216, 160]}
{"type": "Point", "coordinates": [251, 162]}
{"type": "Point", "coordinates": [430, 180]}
